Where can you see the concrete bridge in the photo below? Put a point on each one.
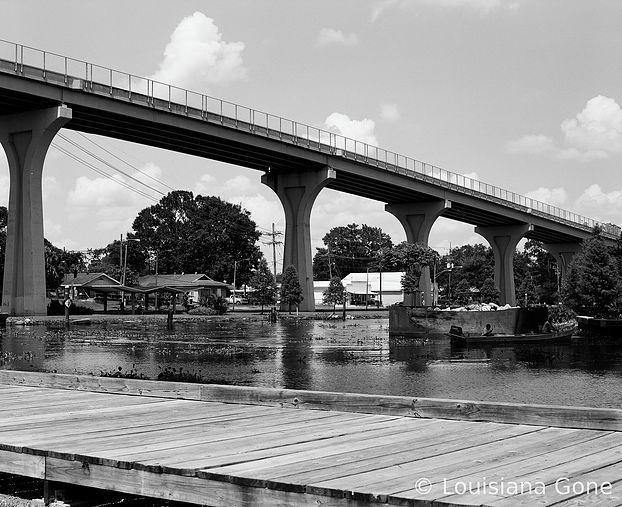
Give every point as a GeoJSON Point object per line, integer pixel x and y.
{"type": "Point", "coordinates": [42, 92]}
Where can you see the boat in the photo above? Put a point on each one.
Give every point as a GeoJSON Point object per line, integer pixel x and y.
{"type": "Point", "coordinates": [591, 326]}
{"type": "Point", "coordinates": [511, 338]}
{"type": "Point", "coordinates": [405, 321]}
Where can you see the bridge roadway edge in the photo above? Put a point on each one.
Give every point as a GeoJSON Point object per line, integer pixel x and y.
{"type": "Point", "coordinates": [307, 158]}
{"type": "Point", "coordinates": [196, 488]}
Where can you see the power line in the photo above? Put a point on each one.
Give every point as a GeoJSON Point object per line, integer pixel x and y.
{"type": "Point", "coordinates": [126, 162]}
{"type": "Point", "coordinates": [103, 173]}
{"type": "Point", "coordinates": [239, 227]}
{"type": "Point", "coordinates": [97, 157]}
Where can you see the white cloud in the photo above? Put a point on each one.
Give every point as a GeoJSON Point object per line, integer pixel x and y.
{"type": "Point", "coordinates": [360, 130]}
{"type": "Point", "coordinates": [555, 196]}
{"type": "Point", "coordinates": [594, 133]}
{"type": "Point", "coordinates": [600, 205]}
{"type": "Point", "coordinates": [205, 185]}
{"type": "Point", "coordinates": [389, 112]}
{"type": "Point", "coordinates": [109, 205]}
{"type": "Point", "coordinates": [598, 128]}
{"type": "Point", "coordinates": [328, 36]}
{"type": "Point", "coordinates": [198, 57]}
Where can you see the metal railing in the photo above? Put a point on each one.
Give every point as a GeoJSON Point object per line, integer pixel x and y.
{"type": "Point", "coordinates": [61, 70]}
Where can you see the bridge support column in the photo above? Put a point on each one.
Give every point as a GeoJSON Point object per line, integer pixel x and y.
{"type": "Point", "coordinates": [297, 192]}
{"type": "Point", "coordinates": [563, 253]}
{"type": "Point", "coordinates": [503, 240]}
{"type": "Point", "coordinates": [417, 218]}
{"type": "Point", "coordinates": [26, 138]}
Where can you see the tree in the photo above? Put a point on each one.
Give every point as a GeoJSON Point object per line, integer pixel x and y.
{"type": "Point", "coordinates": [335, 293]}
{"type": "Point", "coordinates": [110, 260]}
{"type": "Point", "coordinates": [190, 234]}
{"type": "Point", "coordinates": [264, 285]}
{"type": "Point", "coordinates": [542, 268]}
{"type": "Point", "coordinates": [410, 258]}
{"type": "Point", "coordinates": [462, 292]}
{"type": "Point", "coordinates": [59, 262]}
{"type": "Point", "coordinates": [488, 292]}
{"type": "Point", "coordinates": [349, 249]}
{"type": "Point", "coordinates": [527, 293]}
{"type": "Point", "coordinates": [592, 284]}
{"type": "Point", "coordinates": [291, 292]}
{"type": "Point", "coordinates": [477, 263]}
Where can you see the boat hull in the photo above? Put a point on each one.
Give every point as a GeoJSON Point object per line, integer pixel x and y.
{"type": "Point", "coordinates": [515, 338]}
{"type": "Point", "coordinates": [416, 321]}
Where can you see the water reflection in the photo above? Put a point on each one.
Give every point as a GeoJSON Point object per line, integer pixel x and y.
{"type": "Point", "coordinates": [355, 356]}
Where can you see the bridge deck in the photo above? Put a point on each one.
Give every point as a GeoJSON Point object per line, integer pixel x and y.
{"type": "Point", "coordinates": [216, 453]}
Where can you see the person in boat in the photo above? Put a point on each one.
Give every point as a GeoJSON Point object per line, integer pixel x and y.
{"type": "Point", "coordinates": [548, 327]}
{"type": "Point", "coordinates": [487, 331]}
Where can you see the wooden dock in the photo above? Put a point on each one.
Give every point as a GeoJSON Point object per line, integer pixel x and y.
{"type": "Point", "coordinates": [228, 446]}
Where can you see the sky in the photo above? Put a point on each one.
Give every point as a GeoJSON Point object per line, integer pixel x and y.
{"type": "Point", "coordinates": [522, 94]}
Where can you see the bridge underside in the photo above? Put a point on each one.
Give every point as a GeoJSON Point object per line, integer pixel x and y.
{"type": "Point", "coordinates": [135, 121]}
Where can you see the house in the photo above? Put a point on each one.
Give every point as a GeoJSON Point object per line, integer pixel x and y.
{"type": "Point", "coordinates": [360, 286]}
{"type": "Point", "coordinates": [197, 285]}
{"type": "Point", "coordinates": [88, 284]}
{"type": "Point", "coordinates": [319, 287]}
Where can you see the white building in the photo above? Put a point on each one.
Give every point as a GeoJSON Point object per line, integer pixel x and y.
{"type": "Point", "coordinates": [362, 285]}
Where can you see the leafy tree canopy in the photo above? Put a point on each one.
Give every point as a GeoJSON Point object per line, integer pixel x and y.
{"type": "Point", "coordinates": [59, 263]}
{"type": "Point", "coordinates": [349, 249]}
{"type": "Point", "coordinates": [110, 260]}
{"type": "Point", "coordinates": [291, 292]}
{"type": "Point", "coordinates": [191, 234]}
{"type": "Point", "coordinates": [592, 282]}
{"type": "Point", "coordinates": [264, 285]}
{"type": "Point", "coordinates": [477, 263]}
{"type": "Point", "coordinates": [488, 292]}
{"type": "Point", "coordinates": [410, 258]}
{"type": "Point", "coordinates": [334, 294]}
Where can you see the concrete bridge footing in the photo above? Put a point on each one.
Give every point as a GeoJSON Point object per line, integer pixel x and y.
{"type": "Point", "coordinates": [26, 138]}
{"type": "Point", "coordinates": [297, 192]}
{"type": "Point", "coordinates": [417, 218]}
{"type": "Point", "coordinates": [563, 253]}
{"type": "Point", "coordinates": [503, 240]}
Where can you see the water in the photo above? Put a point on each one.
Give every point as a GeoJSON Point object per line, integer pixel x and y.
{"type": "Point", "coordinates": [350, 356]}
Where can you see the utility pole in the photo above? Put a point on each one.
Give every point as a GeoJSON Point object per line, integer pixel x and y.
{"type": "Point", "coordinates": [273, 242]}
{"type": "Point", "coordinates": [380, 270]}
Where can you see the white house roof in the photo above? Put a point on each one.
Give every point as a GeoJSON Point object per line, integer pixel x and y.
{"type": "Point", "coordinates": [320, 284]}
{"type": "Point", "coordinates": [355, 282]}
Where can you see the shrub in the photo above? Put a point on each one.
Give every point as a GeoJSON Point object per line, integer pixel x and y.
{"type": "Point", "coordinates": [202, 310]}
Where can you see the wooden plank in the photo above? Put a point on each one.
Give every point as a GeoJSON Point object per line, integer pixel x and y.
{"type": "Point", "coordinates": [369, 449]}
{"type": "Point", "coordinates": [573, 468]}
{"type": "Point", "coordinates": [193, 451]}
{"type": "Point", "coordinates": [379, 479]}
{"type": "Point", "coordinates": [102, 384]}
{"type": "Point", "coordinates": [225, 456]}
{"type": "Point", "coordinates": [147, 456]}
{"type": "Point", "coordinates": [180, 488]}
{"type": "Point", "coordinates": [90, 426]}
{"type": "Point", "coordinates": [541, 415]}
{"type": "Point", "coordinates": [77, 413]}
{"type": "Point", "coordinates": [176, 437]}
{"type": "Point", "coordinates": [515, 463]}
{"type": "Point", "coordinates": [22, 464]}
{"type": "Point", "coordinates": [613, 498]}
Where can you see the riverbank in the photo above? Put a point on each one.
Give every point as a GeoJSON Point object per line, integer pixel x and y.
{"type": "Point", "coordinates": [238, 315]}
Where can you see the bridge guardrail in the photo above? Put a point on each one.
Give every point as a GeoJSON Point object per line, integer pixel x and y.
{"type": "Point", "coordinates": [42, 65]}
